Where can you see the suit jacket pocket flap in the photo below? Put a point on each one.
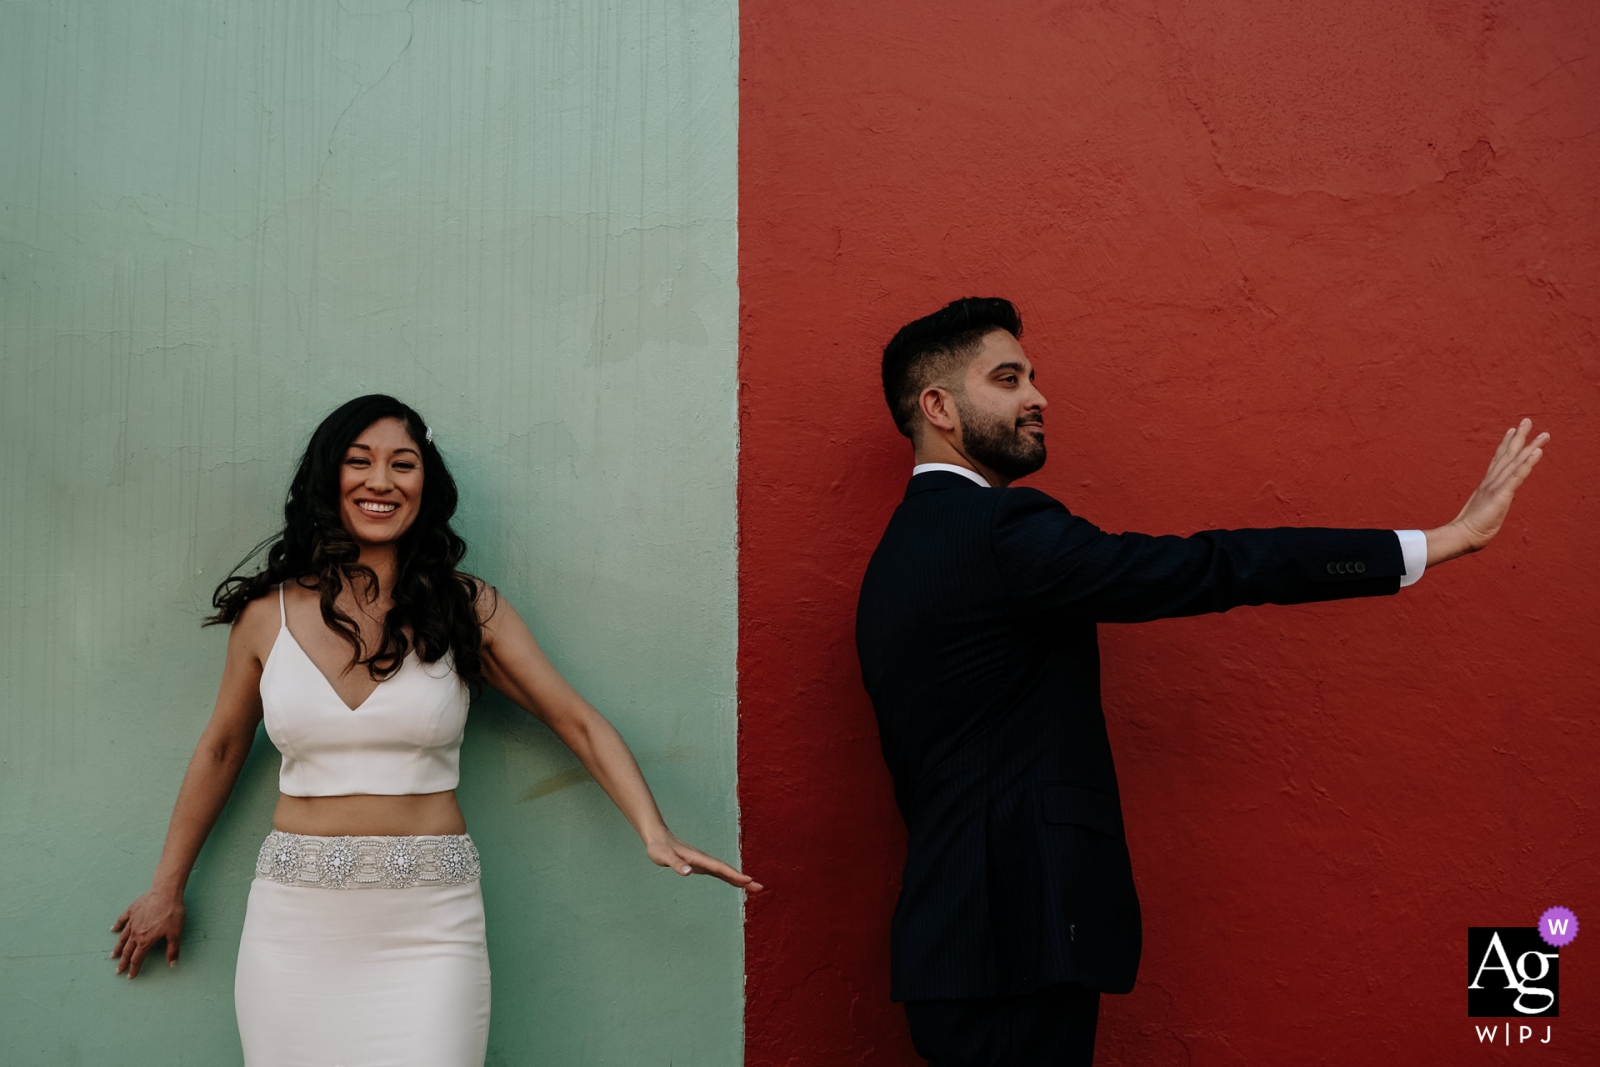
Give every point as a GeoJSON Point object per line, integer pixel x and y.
{"type": "Point", "coordinates": [1080, 807]}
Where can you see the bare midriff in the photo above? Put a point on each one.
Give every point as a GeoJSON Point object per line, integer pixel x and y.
{"type": "Point", "coordinates": [416, 815]}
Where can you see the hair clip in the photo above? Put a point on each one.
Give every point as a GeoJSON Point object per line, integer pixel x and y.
{"type": "Point", "coordinates": [427, 434]}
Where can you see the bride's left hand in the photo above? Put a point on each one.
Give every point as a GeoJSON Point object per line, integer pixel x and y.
{"type": "Point", "coordinates": [668, 851]}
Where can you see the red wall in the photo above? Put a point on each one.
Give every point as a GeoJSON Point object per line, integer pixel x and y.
{"type": "Point", "coordinates": [1280, 263]}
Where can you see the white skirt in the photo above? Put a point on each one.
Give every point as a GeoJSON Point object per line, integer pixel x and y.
{"type": "Point", "coordinates": [364, 952]}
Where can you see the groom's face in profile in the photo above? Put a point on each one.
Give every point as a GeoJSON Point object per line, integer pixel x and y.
{"type": "Point", "coordinates": [1001, 411]}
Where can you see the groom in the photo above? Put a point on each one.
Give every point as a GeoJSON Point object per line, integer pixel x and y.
{"type": "Point", "coordinates": [976, 632]}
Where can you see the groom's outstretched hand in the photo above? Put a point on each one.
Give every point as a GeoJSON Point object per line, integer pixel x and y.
{"type": "Point", "coordinates": [668, 851]}
{"type": "Point", "coordinates": [1486, 509]}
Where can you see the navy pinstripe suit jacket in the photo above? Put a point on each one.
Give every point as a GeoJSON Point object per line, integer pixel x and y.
{"type": "Point", "coordinates": [976, 632]}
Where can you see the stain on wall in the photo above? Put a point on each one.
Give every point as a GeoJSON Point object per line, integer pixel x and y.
{"type": "Point", "coordinates": [1279, 264]}
{"type": "Point", "coordinates": [219, 221]}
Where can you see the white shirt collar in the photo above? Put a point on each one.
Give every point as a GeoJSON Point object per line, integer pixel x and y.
{"type": "Point", "coordinates": [965, 472]}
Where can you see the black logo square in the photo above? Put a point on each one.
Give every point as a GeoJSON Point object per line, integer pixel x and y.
{"type": "Point", "coordinates": [1511, 972]}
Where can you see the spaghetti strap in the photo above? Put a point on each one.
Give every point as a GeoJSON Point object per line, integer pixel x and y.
{"type": "Point", "coordinates": [283, 618]}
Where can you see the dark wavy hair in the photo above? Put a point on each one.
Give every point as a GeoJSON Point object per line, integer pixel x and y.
{"type": "Point", "coordinates": [433, 600]}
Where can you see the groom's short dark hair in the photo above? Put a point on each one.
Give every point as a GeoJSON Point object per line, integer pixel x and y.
{"type": "Point", "coordinates": [922, 352]}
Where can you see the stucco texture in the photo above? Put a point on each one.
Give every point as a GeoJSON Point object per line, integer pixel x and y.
{"type": "Point", "coordinates": [219, 221]}
{"type": "Point", "coordinates": [1280, 264]}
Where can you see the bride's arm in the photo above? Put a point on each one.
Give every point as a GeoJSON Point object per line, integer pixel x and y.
{"type": "Point", "coordinates": [515, 665]}
{"type": "Point", "coordinates": [158, 914]}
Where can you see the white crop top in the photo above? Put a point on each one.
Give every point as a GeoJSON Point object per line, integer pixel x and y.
{"type": "Point", "coordinates": [404, 738]}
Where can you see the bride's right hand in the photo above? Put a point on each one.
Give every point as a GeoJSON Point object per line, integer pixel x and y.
{"type": "Point", "coordinates": [153, 917]}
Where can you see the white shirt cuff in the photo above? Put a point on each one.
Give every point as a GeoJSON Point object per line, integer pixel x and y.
{"type": "Point", "coordinates": [1414, 549]}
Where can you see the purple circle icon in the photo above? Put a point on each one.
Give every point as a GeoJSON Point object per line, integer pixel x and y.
{"type": "Point", "coordinates": [1558, 926]}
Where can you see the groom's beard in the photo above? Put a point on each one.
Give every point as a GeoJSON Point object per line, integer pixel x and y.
{"type": "Point", "coordinates": [1001, 444]}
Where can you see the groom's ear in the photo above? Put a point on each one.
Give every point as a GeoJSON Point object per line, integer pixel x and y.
{"type": "Point", "coordinates": [937, 406]}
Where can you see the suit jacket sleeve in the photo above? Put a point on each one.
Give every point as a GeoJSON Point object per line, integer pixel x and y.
{"type": "Point", "coordinates": [1064, 565]}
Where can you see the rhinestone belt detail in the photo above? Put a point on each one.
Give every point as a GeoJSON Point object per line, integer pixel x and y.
{"type": "Point", "coordinates": [367, 862]}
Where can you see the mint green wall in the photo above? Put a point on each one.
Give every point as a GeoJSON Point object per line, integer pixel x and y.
{"type": "Point", "coordinates": [220, 220]}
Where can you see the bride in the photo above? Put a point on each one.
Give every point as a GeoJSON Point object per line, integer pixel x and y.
{"type": "Point", "coordinates": [359, 644]}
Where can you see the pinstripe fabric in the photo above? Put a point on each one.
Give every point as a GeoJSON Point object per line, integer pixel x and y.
{"type": "Point", "coordinates": [976, 630]}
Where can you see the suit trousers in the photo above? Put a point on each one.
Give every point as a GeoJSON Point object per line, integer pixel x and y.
{"type": "Point", "coordinates": [1052, 1027]}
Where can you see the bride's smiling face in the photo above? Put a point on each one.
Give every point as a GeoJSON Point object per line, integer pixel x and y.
{"type": "Point", "coordinates": [380, 483]}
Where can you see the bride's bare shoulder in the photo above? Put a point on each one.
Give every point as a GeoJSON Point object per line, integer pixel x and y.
{"type": "Point", "coordinates": [485, 599]}
{"type": "Point", "coordinates": [256, 628]}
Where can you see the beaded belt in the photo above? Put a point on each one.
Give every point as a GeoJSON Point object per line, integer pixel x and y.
{"type": "Point", "coordinates": [367, 862]}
